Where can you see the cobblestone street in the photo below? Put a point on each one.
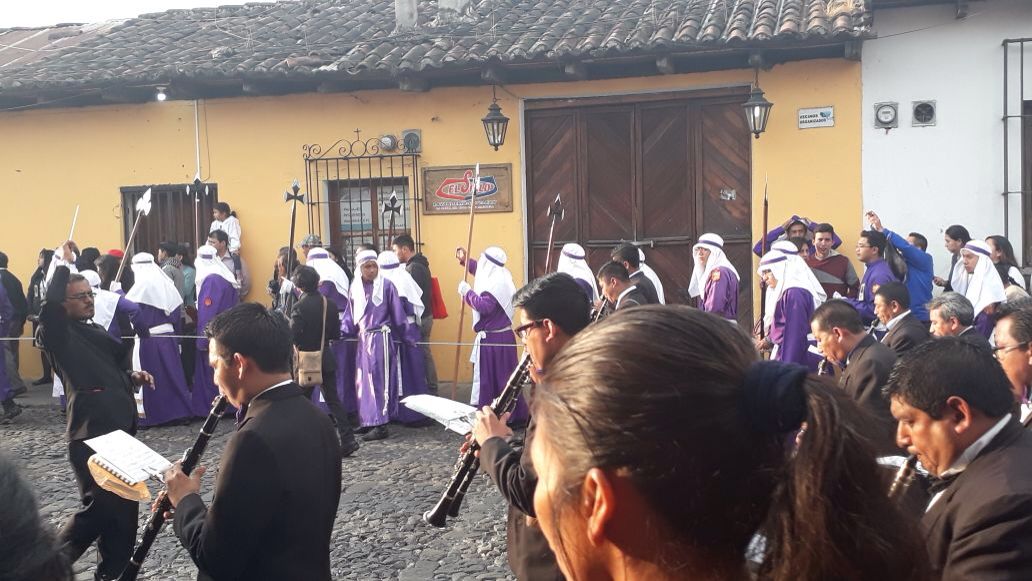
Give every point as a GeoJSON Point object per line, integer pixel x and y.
{"type": "Point", "coordinates": [379, 533]}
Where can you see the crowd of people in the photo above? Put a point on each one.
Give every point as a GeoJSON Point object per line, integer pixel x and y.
{"type": "Point", "coordinates": [661, 441]}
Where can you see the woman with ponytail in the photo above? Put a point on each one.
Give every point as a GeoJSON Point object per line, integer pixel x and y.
{"type": "Point", "coordinates": [664, 446]}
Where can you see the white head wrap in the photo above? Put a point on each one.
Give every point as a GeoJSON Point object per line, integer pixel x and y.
{"type": "Point", "coordinates": [717, 258]}
{"type": "Point", "coordinates": [492, 277]}
{"type": "Point", "coordinates": [91, 277]}
{"type": "Point", "coordinates": [985, 287]}
{"type": "Point", "coordinates": [104, 302]}
{"type": "Point", "coordinates": [652, 276]}
{"type": "Point", "coordinates": [320, 260]}
{"type": "Point", "coordinates": [785, 247]}
{"type": "Point", "coordinates": [358, 297]}
{"type": "Point", "coordinates": [572, 262]}
{"type": "Point", "coordinates": [790, 271]}
{"type": "Point", "coordinates": [153, 287]}
{"type": "Point", "coordinates": [391, 269]}
{"type": "Point", "coordinates": [208, 263]}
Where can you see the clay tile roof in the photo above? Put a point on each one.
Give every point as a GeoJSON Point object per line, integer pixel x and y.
{"type": "Point", "coordinates": [356, 39]}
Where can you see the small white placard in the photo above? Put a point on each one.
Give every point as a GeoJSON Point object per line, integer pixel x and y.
{"type": "Point", "coordinates": [817, 117]}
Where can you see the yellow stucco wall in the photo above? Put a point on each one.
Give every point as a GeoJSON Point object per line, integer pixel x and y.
{"type": "Point", "coordinates": [51, 160]}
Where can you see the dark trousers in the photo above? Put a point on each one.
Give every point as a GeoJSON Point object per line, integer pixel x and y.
{"type": "Point", "coordinates": [340, 417]}
{"type": "Point", "coordinates": [16, 332]}
{"type": "Point", "coordinates": [425, 325]}
{"type": "Point", "coordinates": [48, 373]}
{"type": "Point", "coordinates": [104, 516]}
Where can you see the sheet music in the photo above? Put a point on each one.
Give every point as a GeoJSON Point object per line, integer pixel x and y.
{"type": "Point", "coordinates": [131, 457]}
{"type": "Point", "coordinates": [457, 417]}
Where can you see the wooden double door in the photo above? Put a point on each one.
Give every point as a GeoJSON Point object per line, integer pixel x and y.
{"type": "Point", "coordinates": [655, 170]}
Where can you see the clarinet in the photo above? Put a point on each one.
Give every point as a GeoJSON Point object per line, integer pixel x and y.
{"type": "Point", "coordinates": [599, 313]}
{"type": "Point", "coordinates": [467, 465]}
{"type": "Point", "coordinates": [904, 478]}
{"type": "Point", "coordinates": [157, 519]}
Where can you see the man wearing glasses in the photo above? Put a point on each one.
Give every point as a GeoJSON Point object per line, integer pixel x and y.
{"type": "Point", "coordinates": [98, 378]}
{"type": "Point", "coordinates": [870, 250]}
{"type": "Point", "coordinates": [1014, 352]}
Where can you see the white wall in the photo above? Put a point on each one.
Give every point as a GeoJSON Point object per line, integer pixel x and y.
{"type": "Point", "coordinates": [926, 178]}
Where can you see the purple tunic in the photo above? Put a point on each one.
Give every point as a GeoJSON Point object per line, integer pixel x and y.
{"type": "Point", "coordinates": [498, 351]}
{"type": "Point", "coordinates": [876, 274]}
{"type": "Point", "coordinates": [985, 323]}
{"type": "Point", "coordinates": [344, 352]}
{"type": "Point", "coordinates": [720, 297]}
{"type": "Point", "coordinates": [413, 370]}
{"type": "Point", "coordinates": [378, 367]}
{"type": "Point", "coordinates": [124, 321]}
{"type": "Point", "coordinates": [215, 296]}
{"type": "Point", "coordinates": [159, 356]}
{"type": "Point", "coordinates": [791, 325]}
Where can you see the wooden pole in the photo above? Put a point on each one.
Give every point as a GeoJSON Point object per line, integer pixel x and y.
{"type": "Point", "coordinates": [121, 265]}
{"type": "Point", "coordinates": [465, 276]}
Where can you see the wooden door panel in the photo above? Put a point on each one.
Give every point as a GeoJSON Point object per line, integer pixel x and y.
{"type": "Point", "coordinates": [609, 173]}
{"type": "Point", "coordinates": [673, 264]}
{"type": "Point", "coordinates": [666, 195]}
{"type": "Point", "coordinates": [552, 152]}
{"type": "Point", "coordinates": [724, 158]}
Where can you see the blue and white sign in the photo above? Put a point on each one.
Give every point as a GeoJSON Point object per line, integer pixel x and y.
{"type": "Point", "coordinates": [817, 117]}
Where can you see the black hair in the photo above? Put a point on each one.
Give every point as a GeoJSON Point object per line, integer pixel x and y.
{"type": "Point", "coordinates": [557, 297]}
{"type": "Point", "coordinates": [1021, 324]}
{"type": "Point", "coordinates": [801, 242]}
{"type": "Point", "coordinates": [306, 278]}
{"type": "Point", "coordinates": [958, 232]}
{"type": "Point", "coordinates": [219, 235]}
{"type": "Point", "coordinates": [613, 270]}
{"type": "Point", "coordinates": [3, 260]}
{"type": "Point", "coordinates": [1008, 308]}
{"type": "Point", "coordinates": [405, 241]}
{"type": "Point", "coordinates": [254, 332]}
{"type": "Point", "coordinates": [824, 227]}
{"type": "Point", "coordinates": [169, 248]}
{"type": "Point", "coordinates": [30, 549]}
{"type": "Point", "coordinates": [894, 291]}
{"type": "Point", "coordinates": [934, 371]}
{"type": "Point", "coordinates": [837, 313]}
{"type": "Point", "coordinates": [626, 252]}
{"type": "Point", "coordinates": [919, 240]}
{"type": "Point", "coordinates": [876, 240]}
{"type": "Point", "coordinates": [87, 259]}
{"type": "Point", "coordinates": [224, 208]}
{"type": "Point", "coordinates": [47, 255]}
{"type": "Point", "coordinates": [1006, 249]}
{"type": "Point", "coordinates": [186, 251]}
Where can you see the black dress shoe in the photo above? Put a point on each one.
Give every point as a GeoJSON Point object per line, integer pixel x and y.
{"type": "Point", "coordinates": [43, 381]}
{"type": "Point", "coordinates": [348, 447]}
{"type": "Point", "coordinates": [377, 433]}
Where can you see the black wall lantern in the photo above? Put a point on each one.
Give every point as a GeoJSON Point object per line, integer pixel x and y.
{"type": "Point", "coordinates": [757, 109]}
{"type": "Point", "coordinates": [495, 123]}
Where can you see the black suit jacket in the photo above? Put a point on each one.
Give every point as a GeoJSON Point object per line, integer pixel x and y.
{"type": "Point", "coordinates": [93, 366]}
{"type": "Point", "coordinates": [530, 557]}
{"type": "Point", "coordinates": [16, 294]}
{"type": "Point", "coordinates": [632, 299]}
{"type": "Point", "coordinates": [865, 375]}
{"type": "Point", "coordinates": [306, 318]}
{"type": "Point", "coordinates": [981, 526]}
{"type": "Point", "coordinates": [646, 287]}
{"type": "Point", "coordinates": [972, 335]}
{"type": "Point", "coordinates": [276, 496]}
{"type": "Point", "coordinates": [907, 333]}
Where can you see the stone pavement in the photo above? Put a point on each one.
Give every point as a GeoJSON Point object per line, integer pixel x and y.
{"type": "Point", "coordinates": [379, 533]}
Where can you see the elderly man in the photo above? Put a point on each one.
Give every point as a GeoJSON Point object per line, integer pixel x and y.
{"type": "Point", "coordinates": [954, 407]}
{"type": "Point", "coordinates": [793, 294]}
{"type": "Point", "coordinates": [892, 307]}
{"type": "Point", "coordinates": [953, 316]}
{"type": "Point", "coordinates": [1014, 352]}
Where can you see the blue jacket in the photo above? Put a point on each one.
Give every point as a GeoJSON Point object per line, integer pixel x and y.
{"type": "Point", "coordinates": [919, 274]}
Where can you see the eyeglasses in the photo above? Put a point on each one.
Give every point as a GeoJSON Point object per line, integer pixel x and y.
{"type": "Point", "coordinates": [1000, 351]}
{"type": "Point", "coordinates": [81, 296]}
{"type": "Point", "coordinates": [863, 246]}
{"type": "Point", "coordinates": [522, 330]}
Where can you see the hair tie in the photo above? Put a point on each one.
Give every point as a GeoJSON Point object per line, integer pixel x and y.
{"type": "Point", "coordinates": [775, 401]}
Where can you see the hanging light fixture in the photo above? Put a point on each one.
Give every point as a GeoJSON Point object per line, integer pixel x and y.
{"type": "Point", "coordinates": [161, 95]}
{"type": "Point", "coordinates": [495, 123]}
{"type": "Point", "coordinates": [757, 109]}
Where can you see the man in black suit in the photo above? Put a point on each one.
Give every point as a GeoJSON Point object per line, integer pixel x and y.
{"type": "Point", "coordinates": [952, 315]}
{"type": "Point", "coordinates": [953, 403]}
{"type": "Point", "coordinates": [15, 294]}
{"type": "Point", "coordinates": [892, 307]}
{"type": "Point", "coordinates": [278, 487]}
{"type": "Point", "coordinates": [314, 321]}
{"type": "Point", "coordinates": [617, 287]}
{"type": "Point", "coordinates": [1014, 352]}
{"type": "Point", "coordinates": [552, 310]}
{"type": "Point", "coordinates": [866, 365]}
{"type": "Point", "coordinates": [627, 255]}
{"type": "Point", "coordinates": [98, 379]}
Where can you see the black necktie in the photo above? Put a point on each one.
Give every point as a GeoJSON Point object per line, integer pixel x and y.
{"type": "Point", "coordinates": [937, 485]}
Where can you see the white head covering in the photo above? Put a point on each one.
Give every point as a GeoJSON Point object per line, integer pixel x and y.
{"type": "Point", "coordinates": [391, 269]}
{"type": "Point", "coordinates": [320, 260]}
{"type": "Point", "coordinates": [717, 258]}
{"type": "Point", "coordinates": [652, 276]}
{"type": "Point", "coordinates": [153, 287]}
{"type": "Point", "coordinates": [104, 302]}
{"type": "Point", "coordinates": [208, 263]}
{"type": "Point", "coordinates": [358, 298]}
{"type": "Point", "coordinates": [91, 277]}
{"type": "Point", "coordinates": [790, 271]}
{"type": "Point", "coordinates": [492, 277]}
{"type": "Point", "coordinates": [985, 286]}
{"type": "Point", "coordinates": [959, 277]}
{"type": "Point", "coordinates": [572, 262]}
{"type": "Point", "coordinates": [785, 247]}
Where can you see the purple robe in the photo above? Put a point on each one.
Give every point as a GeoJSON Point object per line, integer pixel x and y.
{"type": "Point", "coordinates": [124, 321]}
{"type": "Point", "coordinates": [344, 352]}
{"type": "Point", "coordinates": [589, 290]}
{"type": "Point", "coordinates": [720, 296]}
{"type": "Point", "coordinates": [159, 356]}
{"type": "Point", "coordinates": [876, 274]}
{"type": "Point", "coordinates": [377, 366]}
{"type": "Point", "coordinates": [413, 370]}
{"type": "Point", "coordinates": [984, 324]}
{"type": "Point", "coordinates": [791, 325]}
{"type": "Point", "coordinates": [215, 296]}
{"type": "Point", "coordinates": [497, 353]}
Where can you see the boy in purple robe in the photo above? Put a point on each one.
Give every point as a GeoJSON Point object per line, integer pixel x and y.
{"type": "Point", "coordinates": [334, 284]}
{"type": "Point", "coordinates": [217, 291]}
{"type": "Point", "coordinates": [161, 306]}
{"type": "Point", "coordinates": [795, 294]}
{"type": "Point", "coordinates": [870, 250]}
{"type": "Point", "coordinates": [378, 318]}
{"type": "Point", "coordinates": [412, 368]}
{"type": "Point", "coordinates": [494, 349]}
{"type": "Point", "coordinates": [714, 279]}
